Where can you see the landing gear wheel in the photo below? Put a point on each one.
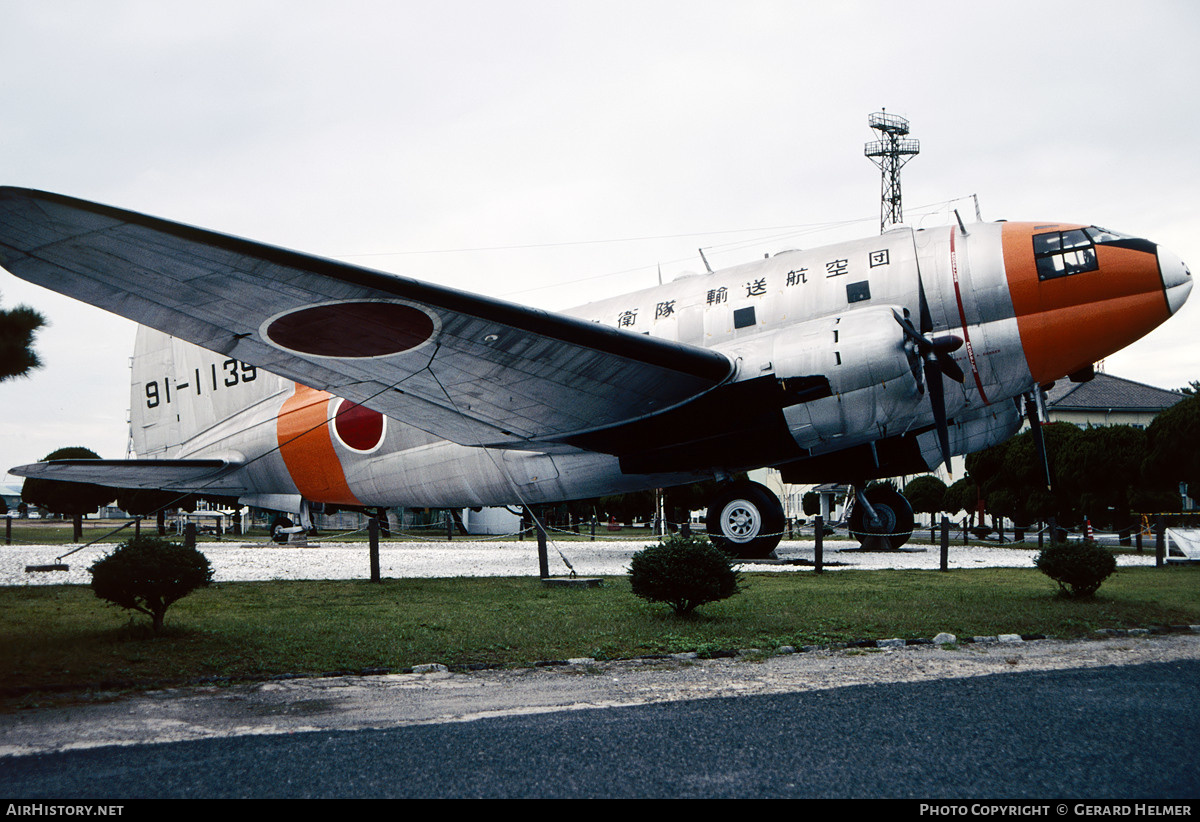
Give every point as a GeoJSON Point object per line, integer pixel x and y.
{"type": "Point", "coordinates": [894, 523]}
{"type": "Point", "coordinates": [278, 534]}
{"type": "Point", "coordinates": [745, 519]}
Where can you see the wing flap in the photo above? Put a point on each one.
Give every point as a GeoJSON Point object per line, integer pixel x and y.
{"type": "Point", "coordinates": [472, 369]}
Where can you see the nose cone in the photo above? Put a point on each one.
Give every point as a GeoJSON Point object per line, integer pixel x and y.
{"type": "Point", "coordinates": [1176, 278]}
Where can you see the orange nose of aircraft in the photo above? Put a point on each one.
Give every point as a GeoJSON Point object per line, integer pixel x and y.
{"type": "Point", "coordinates": [1081, 293]}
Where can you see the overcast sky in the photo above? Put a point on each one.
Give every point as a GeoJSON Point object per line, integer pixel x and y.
{"type": "Point", "coordinates": [557, 152]}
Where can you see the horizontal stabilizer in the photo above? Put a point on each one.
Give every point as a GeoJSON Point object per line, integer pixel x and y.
{"type": "Point", "coordinates": [217, 476]}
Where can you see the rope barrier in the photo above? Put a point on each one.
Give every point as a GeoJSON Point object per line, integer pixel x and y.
{"type": "Point", "coordinates": [409, 534]}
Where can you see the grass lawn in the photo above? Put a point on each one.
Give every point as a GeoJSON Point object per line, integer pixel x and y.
{"type": "Point", "coordinates": [59, 642]}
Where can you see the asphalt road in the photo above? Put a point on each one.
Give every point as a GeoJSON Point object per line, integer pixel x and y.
{"type": "Point", "coordinates": [1110, 732]}
{"type": "Point", "coordinates": [1049, 719]}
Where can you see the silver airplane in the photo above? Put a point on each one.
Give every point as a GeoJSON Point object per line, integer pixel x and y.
{"type": "Point", "coordinates": [290, 381]}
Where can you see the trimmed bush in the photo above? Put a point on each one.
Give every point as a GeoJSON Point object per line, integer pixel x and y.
{"type": "Point", "coordinates": [684, 572]}
{"type": "Point", "coordinates": [148, 574]}
{"type": "Point", "coordinates": [1077, 567]}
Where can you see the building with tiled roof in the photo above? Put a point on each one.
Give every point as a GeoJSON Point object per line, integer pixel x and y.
{"type": "Point", "coordinates": [1107, 400]}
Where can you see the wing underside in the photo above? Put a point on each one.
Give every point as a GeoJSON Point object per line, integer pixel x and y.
{"type": "Point", "coordinates": [217, 476]}
{"type": "Point", "coordinates": [472, 369]}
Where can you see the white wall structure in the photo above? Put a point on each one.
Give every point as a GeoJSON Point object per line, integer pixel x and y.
{"type": "Point", "coordinates": [490, 521]}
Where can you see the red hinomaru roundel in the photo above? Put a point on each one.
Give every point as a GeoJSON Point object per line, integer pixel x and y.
{"type": "Point", "coordinates": [359, 428]}
{"type": "Point", "coordinates": [351, 329]}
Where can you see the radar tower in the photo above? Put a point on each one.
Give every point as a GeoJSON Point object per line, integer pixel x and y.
{"type": "Point", "coordinates": [890, 153]}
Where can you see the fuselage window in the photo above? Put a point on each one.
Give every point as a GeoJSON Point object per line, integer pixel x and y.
{"type": "Point", "coordinates": [857, 292]}
{"type": "Point", "coordinates": [1063, 253]}
{"type": "Point", "coordinates": [743, 317]}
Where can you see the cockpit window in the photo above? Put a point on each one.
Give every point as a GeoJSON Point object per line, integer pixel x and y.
{"type": "Point", "coordinates": [1075, 239]}
{"type": "Point", "coordinates": [1103, 235]}
{"type": "Point", "coordinates": [1063, 253]}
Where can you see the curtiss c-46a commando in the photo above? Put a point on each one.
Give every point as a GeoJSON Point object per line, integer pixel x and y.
{"type": "Point", "coordinates": [288, 380]}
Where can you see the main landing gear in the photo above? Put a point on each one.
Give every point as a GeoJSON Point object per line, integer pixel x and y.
{"type": "Point", "coordinates": [745, 519]}
{"type": "Point", "coordinates": [881, 518]}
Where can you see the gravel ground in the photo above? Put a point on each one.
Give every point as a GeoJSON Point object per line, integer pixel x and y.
{"type": "Point", "coordinates": [237, 561]}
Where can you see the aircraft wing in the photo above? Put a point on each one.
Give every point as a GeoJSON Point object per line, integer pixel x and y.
{"type": "Point", "coordinates": [472, 369]}
{"type": "Point", "coordinates": [214, 474]}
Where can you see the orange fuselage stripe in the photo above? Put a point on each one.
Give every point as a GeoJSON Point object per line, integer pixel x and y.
{"type": "Point", "coordinates": [307, 448]}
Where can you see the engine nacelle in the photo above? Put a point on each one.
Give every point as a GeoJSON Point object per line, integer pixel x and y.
{"type": "Point", "coordinates": [859, 349]}
{"type": "Point", "coordinates": [869, 363]}
{"type": "Point", "coordinates": [974, 431]}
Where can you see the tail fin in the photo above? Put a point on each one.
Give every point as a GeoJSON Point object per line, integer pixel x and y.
{"type": "Point", "coordinates": [180, 390]}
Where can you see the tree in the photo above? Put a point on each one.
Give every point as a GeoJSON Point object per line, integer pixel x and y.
{"type": "Point", "coordinates": [148, 574]}
{"type": "Point", "coordinates": [811, 504]}
{"type": "Point", "coordinates": [678, 502]}
{"type": "Point", "coordinates": [1103, 472]}
{"type": "Point", "coordinates": [1012, 479]}
{"type": "Point", "coordinates": [68, 498]}
{"type": "Point", "coordinates": [1173, 447]}
{"type": "Point", "coordinates": [962, 495]}
{"type": "Point", "coordinates": [1078, 567]}
{"type": "Point", "coordinates": [628, 507]}
{"type": "Point", "coordinates": [684, 572]}
{"type": "Point", "coordinates": [811, 501]}
{"type": "Point", "coordinates": [927, 495]}
{"type": "Point", "coordinates": [141, 502]}
{"type": "Point", "coordinates": [18, 328]}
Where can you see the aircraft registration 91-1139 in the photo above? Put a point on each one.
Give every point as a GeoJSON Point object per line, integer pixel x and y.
{"type": "Point", "coordinates": [287, 380]}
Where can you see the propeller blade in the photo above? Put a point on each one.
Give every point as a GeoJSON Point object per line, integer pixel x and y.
{"type": "Point", "coordinates": [937, 399]}
{"type": "Point", "coordinates": [923, 307]}
{"type": "Point", "coordinates": [936, 362]}
{"type": "Point", "coordinates": [909, 330]}
{"type": "Point", "coordinates": [949, 367]}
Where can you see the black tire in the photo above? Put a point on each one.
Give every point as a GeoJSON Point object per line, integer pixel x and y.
{"type": "Point", "coordinates": [896, 516]}
{"type": "Point", "coordinates": [745, 519]}
{"type": "Point", "coordinates": [277, 526]}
